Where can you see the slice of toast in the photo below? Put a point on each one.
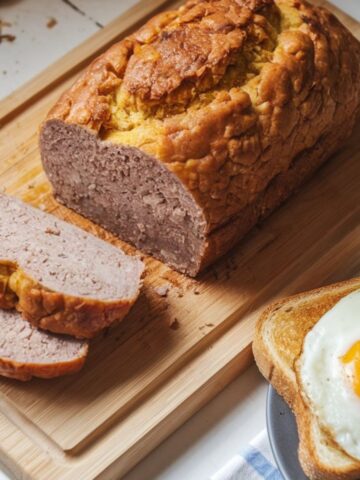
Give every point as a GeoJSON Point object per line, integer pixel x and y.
{"type": "Point", "coordinates": [278, 342]}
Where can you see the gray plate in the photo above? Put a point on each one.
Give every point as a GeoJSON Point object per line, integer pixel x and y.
{"type": "Point", "coordinates": [283, 436]}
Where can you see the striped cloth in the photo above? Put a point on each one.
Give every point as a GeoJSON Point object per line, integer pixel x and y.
{"type": "Point", "coordinates": [256, 463]}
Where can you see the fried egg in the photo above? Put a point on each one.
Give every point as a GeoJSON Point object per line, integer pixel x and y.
{"type": "Point", "coordinates": [329, 372]}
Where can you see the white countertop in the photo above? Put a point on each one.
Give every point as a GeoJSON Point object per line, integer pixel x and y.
{"type": "Point", "coordinates": [234, 417]}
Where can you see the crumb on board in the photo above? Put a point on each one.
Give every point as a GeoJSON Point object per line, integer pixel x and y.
{"type": "Point", "coordinates": [206, 324]}
{"type": "Point", "coordinates": [52, 231]}
{"type": "Point", "coordinates": [162, 290]}
{"type": "Point", "coordinates": [197, 292]}
{"type": "Point", "coordinates": [7, 37]}
{"type": "Point", "coordinates": [174, 324]}
{"type": "Point", "coordinates": [51, 22]}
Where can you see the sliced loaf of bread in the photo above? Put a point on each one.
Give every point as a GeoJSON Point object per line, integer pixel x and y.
{"type": "Point", "coordinates": [27, 352]}
{"type": "Point", "coordinates": [60, 277]}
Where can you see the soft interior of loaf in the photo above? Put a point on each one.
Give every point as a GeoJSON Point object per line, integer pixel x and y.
{"type": "Point", "coordinates": [283, 334]}
{"type": "Point", "coordinates": [23, 343]}
{"type": "Point", "coordinates": [61, 257]}
{"type": "Point", "coordinates": [150, 206]}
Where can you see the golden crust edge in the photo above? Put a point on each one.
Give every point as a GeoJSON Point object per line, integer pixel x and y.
{"type": "Point", "coordinates": [26, 371]}
{"type": "Point", "coordinates": [61, 313]}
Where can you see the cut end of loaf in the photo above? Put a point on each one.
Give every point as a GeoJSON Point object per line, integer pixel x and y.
{"type": "Point", "coordinates": [135, 196]}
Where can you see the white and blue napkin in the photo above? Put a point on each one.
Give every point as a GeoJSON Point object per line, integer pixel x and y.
{"type": "Point", "coordinates": [255, 463]}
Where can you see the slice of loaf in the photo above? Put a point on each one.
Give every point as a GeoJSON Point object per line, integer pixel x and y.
{"type": "Point", "coordinates": [61, 278]}
{"type": "Point", "coordinates": [184, 135]}
{"type": "Point", "coordinates": [278, 342]}
{"type": "Point", "coordinates": [27, 352]}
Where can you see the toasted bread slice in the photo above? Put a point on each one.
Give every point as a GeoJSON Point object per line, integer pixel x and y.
{"type": "Point", "coordinates": [278, 342]}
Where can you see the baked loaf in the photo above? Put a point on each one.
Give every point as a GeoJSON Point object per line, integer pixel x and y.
{"type": "Point", "coordinates": [61, 278]}
{"type": "Point", "coordinates": [183, 135]}
{"type": "Point", "coordinates": [277, 346]}
{"type": "Point", "coordinates": [27, 352]}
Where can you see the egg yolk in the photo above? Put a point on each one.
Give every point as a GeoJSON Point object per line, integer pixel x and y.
{"type": "Point", "coordinates": [353, 355]}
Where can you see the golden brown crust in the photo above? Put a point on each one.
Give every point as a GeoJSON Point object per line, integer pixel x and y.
{"type": "Point", "coordinates": [87, 102]}
{"type": "Point", "coordinates": [58, 312]}
{"type": "Point", "coordinates": [280, 188]}
{"type": "Point", "coordinates": [197, 46]}
{"type": "Point", "coordinates": [256, 112]}
{"type": "Point", "coordinates": [313, 305]}
{"type": "Point", "coordinates": [61, 313]}
{"type": "Point", "coordinates": [25, 371]}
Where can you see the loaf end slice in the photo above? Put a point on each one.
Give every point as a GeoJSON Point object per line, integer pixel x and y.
{"type": "Point", "coordinates": [27, 352]}
{"type": "Point", "coordinates": [60, 277]}
{"type": "Point", "coordinates": [277, 345]}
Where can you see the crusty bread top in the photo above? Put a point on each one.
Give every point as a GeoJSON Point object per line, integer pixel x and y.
{"type": "Point", "coordinates": [225, 92]}
{"type": "Point", "coordinates": [64, 258]}
{"type": "Point", "coordinates": [278, 343]}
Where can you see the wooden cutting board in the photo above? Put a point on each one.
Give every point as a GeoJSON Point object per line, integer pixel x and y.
{"type": "Point", "coordinates": [171, 354]}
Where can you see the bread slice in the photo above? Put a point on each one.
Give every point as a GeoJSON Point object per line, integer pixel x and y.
{"type": "Point", "coordinates": [26, 351]}
{"type": "Point", "coordinates": [61, 278]}
{"type": "Point", "coordinates": [278, 343]}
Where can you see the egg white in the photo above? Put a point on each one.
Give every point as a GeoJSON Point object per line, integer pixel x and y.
{"type": "Point", "coordinates": [326, 381]}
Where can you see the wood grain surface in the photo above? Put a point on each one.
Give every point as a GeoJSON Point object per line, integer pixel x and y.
{"type": "Point", "coordinates": [171, 354]}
